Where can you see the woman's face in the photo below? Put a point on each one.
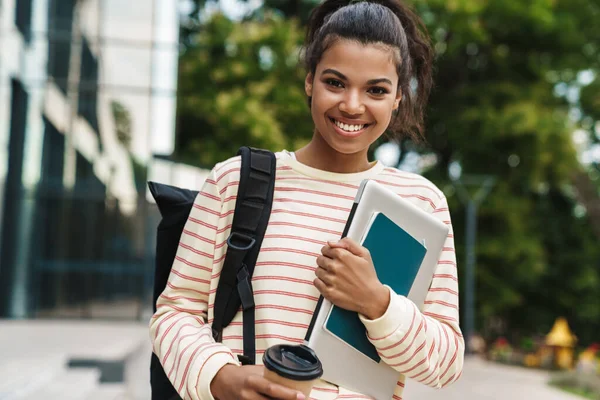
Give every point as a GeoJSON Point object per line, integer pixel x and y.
{"type": "Point", "coordinates": [354, 91]}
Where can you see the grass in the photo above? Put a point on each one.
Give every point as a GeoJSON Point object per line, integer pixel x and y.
{"type": "Point", "coordinates": [579, 392]}
{"type": "Point", "coordinates": [585, 385]}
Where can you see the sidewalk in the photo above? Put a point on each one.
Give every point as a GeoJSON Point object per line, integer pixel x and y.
{"type": "Point", "coordinates": [78, 360]}
{"type": "Point", "coordinates": [95, 360]}
{"type": "Point", "coordinates": [482, 380]}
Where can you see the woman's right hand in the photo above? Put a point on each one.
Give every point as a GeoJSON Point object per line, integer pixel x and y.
{"type": "Point", "coordinates": [247, 383]}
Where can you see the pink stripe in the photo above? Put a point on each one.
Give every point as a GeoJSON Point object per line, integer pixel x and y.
{"type": "Point", "coordinates": [291, 309]}
{"type": "Point", "coordinates": [202, 238]}
{"type": "Point", "coordinates": [187, 368]}
{"type": "Point", "coordinates": [168, 317]}
{"type": "Point", "coordinates": [191, 264]}
{"type": "Point", "coordinates": [189, 278]}
{"type": "Point", "coordinates": [454, 292]}
{"type": "Point", "coordinates": [412, 324]}
{"type": "Point", "coordinates": [193, 250]}
{"type": "Point", "coordinates": [229, 184]}
{"type": "Point", "coordinates": [289, 250]}
{"type": "Point", "coordinates": [416, 366]}
{"type": "Point", "coordinates": [282, 278]}
{"type": "Point", "coordinates": [439, 316]}
{"type": "Point", "coordinates": [286, 264]}
{"type": "Point", "coordinates": [180, 309]}
{"type": "Point", "coordinates": [312, 228]}
{"type": "Point", "coordinates": [447, 262]}
{"type": "Point", "coordinates": [268, 336]}
{"type": "Point", "coordinates": [442, 303]}
{"type": "Point", "coordinates": [179, 342]}
{"type": "Point", "coordinates": [298, 178]}
{"type": "Point", "coordinates": [451, 363]}
{"type": "Point", "coordinates": [445, 276]}
{"type": "Point", "coordinates": [309, 215]}
{"type": "Point", "coordinates": [229, 171]}
{"type": "Point", "coordinates": [418, 196]}
{"type": "Point", "coordinates": [310, 203]}
{"type": "Point", "coordinates": [199, 222]}
{"type": "Point", "coordinates": [317, 192]}
{"type": "Point", "coordinates": [410, 359]}
{"type": "Point", "coordinates": [407, 347]}
{"type": "Point", "coordinates": [190, 299]}
{"type": "Point", "coordinates": [186, 289]}
{"type": "Point", "coordinates": [293, 237]}
{"type": "Point", "coordinates": [274, 322]}
{"type": "Point", "coordinates": [206, 209]}
{"type": "Point", "coordinates": [400, 174]}
{"type": "Point", "coordinates": [287, 294]}
{"type": "Point", "coordinates": [210, 196]}
{"type": "Point", "coordinates": [437, 364]}
{"type": "Point", "coordinates": [437, 377]}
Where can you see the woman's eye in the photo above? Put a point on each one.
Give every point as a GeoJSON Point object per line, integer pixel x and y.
{"type": "Point", "coordinates": [334, 82]}
{"type": "Point", "coordinates": [379, 91]}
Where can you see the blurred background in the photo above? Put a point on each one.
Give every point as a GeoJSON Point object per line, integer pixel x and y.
{"type": "Point", "coordinates": [99, 96]}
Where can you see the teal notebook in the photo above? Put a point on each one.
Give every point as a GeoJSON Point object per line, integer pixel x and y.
{"type": "Point", "coordinates": [397, 257]}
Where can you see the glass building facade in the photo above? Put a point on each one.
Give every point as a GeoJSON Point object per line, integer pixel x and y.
{"type": "Point", "coordinates": [87, 99]}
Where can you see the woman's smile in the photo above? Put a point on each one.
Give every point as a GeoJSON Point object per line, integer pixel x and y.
{"type": "Point", "coordinates": [347, 128]}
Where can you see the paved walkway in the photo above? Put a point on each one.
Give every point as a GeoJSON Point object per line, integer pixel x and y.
{"type": "Point", "coordinates": [32, 350]}
{"type": "Point", "coordinates": [482, 380]}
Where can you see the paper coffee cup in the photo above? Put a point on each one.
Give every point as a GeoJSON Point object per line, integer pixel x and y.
{"type": "Point", "coordinates": [294, 366]}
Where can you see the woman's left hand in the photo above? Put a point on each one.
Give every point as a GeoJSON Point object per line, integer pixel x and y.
{"type": "Point", "coordinates": [346, 277]}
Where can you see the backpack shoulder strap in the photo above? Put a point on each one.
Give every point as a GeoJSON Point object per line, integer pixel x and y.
{"type": "Point", "coordinates": [250, 219]}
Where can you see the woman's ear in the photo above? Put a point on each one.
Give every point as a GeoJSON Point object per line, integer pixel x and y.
{"type": "Point", "coordinates": [398, 99]}
{"type": "Point", "coordinates": [308, 84]}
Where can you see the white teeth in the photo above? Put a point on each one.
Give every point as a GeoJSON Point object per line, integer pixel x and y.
{"type": "Point", "coordinates": [349, 128]}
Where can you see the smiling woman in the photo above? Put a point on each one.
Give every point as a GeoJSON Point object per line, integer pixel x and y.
{"type": "Point", "coordinates": [361, 59]}
{"type": "Point", "coordinates": [353, 92]}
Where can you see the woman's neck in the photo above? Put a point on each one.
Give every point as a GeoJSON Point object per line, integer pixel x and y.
{"type": "Point", "coordinates": [318, 154]}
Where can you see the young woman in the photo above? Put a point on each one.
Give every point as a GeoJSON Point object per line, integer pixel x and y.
{"type": "Point", "coordinates": [362, 62]}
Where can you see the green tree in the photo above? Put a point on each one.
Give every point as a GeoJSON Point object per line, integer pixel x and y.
{"type": "Point", "coordinates": [241, 85]}
{"type": "Point", "coordinates": [496, 110]}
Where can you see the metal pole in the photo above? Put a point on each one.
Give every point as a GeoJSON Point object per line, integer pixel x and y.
{"type": "Point", "coordinates": [471, 233]}
{"type": "Point", "coordinates": [485, 184]}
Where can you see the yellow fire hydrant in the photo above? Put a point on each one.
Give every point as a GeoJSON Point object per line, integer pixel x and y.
{"type": "Point", "coordinates": [562, 341]}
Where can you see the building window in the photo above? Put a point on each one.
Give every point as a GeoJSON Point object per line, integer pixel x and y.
{"type": "Point", "coordinates": [60, 25]}
{"type": "Point", "coordinates": [23, 18]}
{"type": "Point", "coordinates": [88, 86]}
{"type": "Point", "coordinates": [13, 199]}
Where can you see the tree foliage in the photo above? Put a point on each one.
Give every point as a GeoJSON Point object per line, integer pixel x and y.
{"type": "Point", "coordinates": [241, 85]}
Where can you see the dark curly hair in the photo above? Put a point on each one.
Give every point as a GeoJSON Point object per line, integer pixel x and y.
{"type": "Point", "coordinates": [388, 22]}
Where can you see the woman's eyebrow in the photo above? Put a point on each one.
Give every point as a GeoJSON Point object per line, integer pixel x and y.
{"type": "Point", "coordinates": [379, 80]}
{"type": "Point", "coordinates": [343, 77]}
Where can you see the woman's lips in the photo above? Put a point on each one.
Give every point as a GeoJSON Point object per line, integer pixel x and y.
{"type": "Point", "coordinates": [352, 132]}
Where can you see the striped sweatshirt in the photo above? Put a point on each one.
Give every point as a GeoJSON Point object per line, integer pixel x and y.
{"type": "Point", "coordinates": [310, 207]}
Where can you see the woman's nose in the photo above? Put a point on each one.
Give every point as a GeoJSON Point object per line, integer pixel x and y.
{"type": "Point", "coordinates": [352, 104]}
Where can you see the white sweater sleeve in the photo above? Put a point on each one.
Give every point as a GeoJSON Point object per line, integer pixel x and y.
{"type": "Point", "coordinates": [426, 346]}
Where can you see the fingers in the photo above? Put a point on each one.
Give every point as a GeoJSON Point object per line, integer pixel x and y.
{"type": "Point", "coordinates": [351, 246]}
{"type": "Point", "coordinates": [321, 287]}
{"type": "Point", "coordinates": [327, 263]}
{"type": "Point", "coordinates": [325, 276]}
{"type": "Point", "coordinates": [266, 389]}
{"type": "Point", "coordinates": [335, 253]}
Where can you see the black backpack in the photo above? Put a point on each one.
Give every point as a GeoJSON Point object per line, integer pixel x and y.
{"type": "Point", "coordinates": [252, 211]}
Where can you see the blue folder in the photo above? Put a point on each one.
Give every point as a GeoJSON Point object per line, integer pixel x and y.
{"type": "Point", "coordinates": [397, 257]}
